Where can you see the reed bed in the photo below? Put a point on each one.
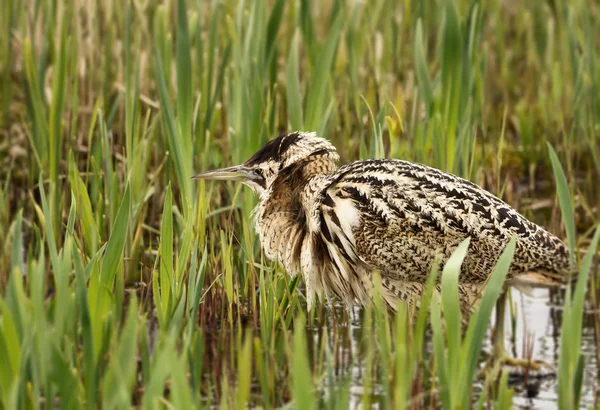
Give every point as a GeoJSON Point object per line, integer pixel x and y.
{"type": "Point", "coordinates": [124, 283]}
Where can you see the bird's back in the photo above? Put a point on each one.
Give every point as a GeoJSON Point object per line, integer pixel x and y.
{"type": "Point", "coordinates": [396, 216]}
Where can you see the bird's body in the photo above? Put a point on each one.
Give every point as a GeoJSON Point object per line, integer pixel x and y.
{"type": "Point", "coordinates": [337, 226]}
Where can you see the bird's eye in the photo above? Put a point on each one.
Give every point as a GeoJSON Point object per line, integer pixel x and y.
{"type": "Point", "coordinates": [260, 172]}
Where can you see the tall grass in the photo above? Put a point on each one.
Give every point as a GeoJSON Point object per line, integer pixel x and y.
{"type": "Point", "coordinates": [126, 284]}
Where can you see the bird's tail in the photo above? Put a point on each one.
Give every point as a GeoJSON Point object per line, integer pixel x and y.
{"type": "Point", "coordinates": [537, 279]}
{"type": "Point", "coordinates": [555, 268]}
{"type": "Point", "coordinates": [543, 278]}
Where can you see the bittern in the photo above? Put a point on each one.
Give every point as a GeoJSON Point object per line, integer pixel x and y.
{"type": "Point", "coordinates": [336, 226]}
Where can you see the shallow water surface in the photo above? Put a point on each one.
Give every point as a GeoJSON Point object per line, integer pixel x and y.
{"type": "Point", "coordinates": [538, 318]}
{"type": "Point", "coordinates": [539, 315]}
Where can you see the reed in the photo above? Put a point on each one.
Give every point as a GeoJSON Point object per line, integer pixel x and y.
{"type": "Point", "coordinates": [123, 283]}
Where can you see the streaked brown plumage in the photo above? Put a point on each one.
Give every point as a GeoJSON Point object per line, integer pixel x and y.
{"type": "Point", "coordinates": [336, 226]}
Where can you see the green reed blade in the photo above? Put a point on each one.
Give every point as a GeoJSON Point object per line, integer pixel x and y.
{"type": "Point", "coordinates": [318, 94]}
{"type": "Point", "coordinates": [566, 203]}
{"type": "Point", "coordinates": [425, 87]}
{"type": "Point", "coordinates": [293, 93]}
{"type": "Point", "coordinates": [302, 380]}
{"type": "Point", "coordinates": [119, 379]}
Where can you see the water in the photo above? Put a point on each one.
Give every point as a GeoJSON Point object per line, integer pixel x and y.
{"type": "Point", "coordinates": [538, 318]}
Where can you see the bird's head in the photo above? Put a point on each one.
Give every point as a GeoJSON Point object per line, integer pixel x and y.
{"type": "Point", "coordinates": [261, 170]}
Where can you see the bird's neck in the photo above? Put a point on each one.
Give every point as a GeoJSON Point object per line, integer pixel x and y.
{"type": "Point", "coordinates": [286, 212]}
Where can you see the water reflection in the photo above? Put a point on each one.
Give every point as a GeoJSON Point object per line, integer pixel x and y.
{"type": "Point", "coordinates": [538, 315]}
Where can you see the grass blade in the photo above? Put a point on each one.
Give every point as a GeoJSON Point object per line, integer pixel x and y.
{"type": "Point", "coordinates": [566, 204]}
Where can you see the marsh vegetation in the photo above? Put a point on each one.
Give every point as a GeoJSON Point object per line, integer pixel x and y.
{"type": "Point", "coordinates": [124, 283]}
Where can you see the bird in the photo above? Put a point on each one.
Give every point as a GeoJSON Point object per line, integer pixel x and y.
{"type": "Point", "coordinates": [337, 226]}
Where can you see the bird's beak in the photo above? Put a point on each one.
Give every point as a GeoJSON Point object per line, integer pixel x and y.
{"type": "Point", "coordinates": [238, 173]}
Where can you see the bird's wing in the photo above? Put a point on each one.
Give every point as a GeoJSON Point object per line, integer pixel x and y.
{"type": "Point", "coordinates": [396, 216]}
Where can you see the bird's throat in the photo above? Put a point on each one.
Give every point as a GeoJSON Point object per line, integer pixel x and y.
{"type": "Point", "coordinates": [283, 218]}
